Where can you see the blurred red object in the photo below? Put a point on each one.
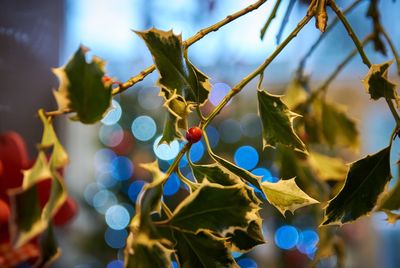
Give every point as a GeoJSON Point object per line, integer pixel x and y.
{"type": "Point", "coordinates": [14, 160]}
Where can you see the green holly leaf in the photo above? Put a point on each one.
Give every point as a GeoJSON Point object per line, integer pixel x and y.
{"type": "Point", "coordinates": [244, 240]}
{"type": "Point", "coordinates": [143, 251]}
{"type": "Point", "coordinates": [214, 173]}
{"type": "Point", "coordinates": [82, 89]}
{"type": "Point", "coordinates": [376, 82]}
{"type": "Point", "coordinates": [327, 167]}
{"type": "Point", "coordinates": [238, 171]}
{"type": "Point", "coordinates": [49, 248]}
{"type": "Point", "coordinates": [365, 181]}
{"type": "Point", "coordinates": [277, 122]}
{"type": "Point", "coordinates": [28, 222]}
{"type": "Point", "coordinates": [176, 71]}
{"type": "Point", "coordinates": [295, 94]}
{"type": "Point", "coordinates": [171, 131]}
{"type": "Point", "coordinates": [220, 209]}
{"type": "Point", "coordinates": [337, 127]}
{"type": "Point", "coordinates": [202, 250]}
{"type": "Point", "coordinates": [286, 195]}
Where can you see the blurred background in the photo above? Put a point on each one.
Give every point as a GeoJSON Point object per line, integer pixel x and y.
{"type": "Point", "coordinates": [103, 175]}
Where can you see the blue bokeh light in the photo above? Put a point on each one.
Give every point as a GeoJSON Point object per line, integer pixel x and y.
{"type": "Point", "coordinates": [236, 254]}
{"type": "Point", "coordinates": [113, 115]}
{"type": "Point", "coordinates": [134, 189]}
{"type": "Point", "coordinates": [115, 264]}
{"type": "Point", "coordinates": [286, 237]}
{"type": "Point", "coordinates": [308, 240]}
{"type": "Point", "coordinates": [90, 191]}
{"type": "Point", "coordinates": [104, 199]}
{"type": "Point", "coordinates": [117, 217]}
{"type": "Point", "coordinates": [143, 128]}
{"type": "Point", "coordinates": [122, 168]}
{"type": "Point", "coordinates": [111, 135]}
{"type": "Point", "coordinates": [246, 157]}
{"type": "Point", "coordinates": [172, 185]}
{"type": "Point", "coordinates": [115, 238]}
{"type": "Point", "coordinates": [105, 180]}
{"type": "Point", "coordinates": [265, 174]}
{"type": "Point", "coordinates": [229, 130]}
{"type": "Point", "coordinates": [196, 151]}
{"type": "Point", "coordinates": [102, 159]}
{"type": "Point", "coordinates": [218, 92]}
{"type": "Point", "coordinates": [165, 151]}
{"type": "Point", "coordinates": [213, 136]}
{"type": "Point", "coordinates": [247, 263]}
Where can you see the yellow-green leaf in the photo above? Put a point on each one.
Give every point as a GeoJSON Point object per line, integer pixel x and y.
{"type": "Point", "coordinates": [286, 195]}
{"type": "Point", "coordinates": [327, 167]}
{"type": "Point", "coordinates": [295, 94]}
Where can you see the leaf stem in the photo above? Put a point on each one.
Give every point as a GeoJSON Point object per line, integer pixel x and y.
{"type": "Point", "coordinates": [270, 19]}
{"type": "Point", "coordinates": [351, 32]}
{"type": "Point", "coordinates": [360, 49]}
{"type": "Point", "coordinates": [177, 159]}
{"type": "Point", "coordinates": [300, 69]}
{"type": "Point", "coordinates": [199, 35]}
{"type": "Point", "coordinates": [392, 47]}
{"type": "Point", "coordinates": [238, 87]}
{"type": "Point", "coordinates": [335, 73]}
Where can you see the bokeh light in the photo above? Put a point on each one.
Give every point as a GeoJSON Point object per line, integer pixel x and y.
{"type": "Point", "coordinates": [236, 254]}
{"type": "Point", "coordinates": [265, 174]}
{"type": "Point", "coordinates": [111, 135]}
{"type": "Point", "coordinates": [286, 237]}
{"type": "Point", "coordinates": [144, 128]}
{"type": "Point", "coordinates": [113, 115]}
{"type": "Point", "coordinates": [165, 151]}
{"type": "Point", "coordinates": [90, 191]}
{"type": "Point", "coordinates": [134, 189]}
{"type": "Point", "coordinates": [105, 180]}
{"type": "Point", "coordinates": [117, 217]}
{"type": "Point", "coordinates": [102, 159]}
{"type": "Point", "coordinates": [122, 168]}
{"type": "Point", "coordinates": [103, 199]}
{"type": "Point", "coordinates": [230, 131]}
{"type": "Point", "coordinates": [247, 263]}
{"type": "Point", "coordinates": [218, 92]}
{"type": "Point", "coordinates": [115, 238]}
{"type": "Point", "coordinates": [308, 240]}
{"type": "Point", "coordinates": [246, 157]}
{"type": "Point", "coordinates": [172, 185]}
{"type": "Point", "coordinates": [149, 99]}
{"type": "Point", "coordinates": [196, 151]}
{"type": "Point", "coordinates": [115, 264]}
{"type": "Point", "coordinates": [213, 136]}
{"type": "Point", "coordinates": [250, 125]}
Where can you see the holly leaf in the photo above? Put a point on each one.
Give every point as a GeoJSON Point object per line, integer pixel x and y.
{"type": "Point", "coordinates": [376, 82]}
{"type": "Point", "coordinates": [286, 195]}
{"type": "Point", "coordinates": [243, 174]}
{"type": "Point", "coordinates": [244, 240]}
{"type": "Point", "coordinates": [326, 167]}
{"type": "Point", "coordinates": [217, 208]}
{"type": "Point", "coordinates": [28, 222]}
{"type": "Point", "coordinates": [171, 130]}
{"type": "Point", "coordinates": [365, 181]}
{"type": "Point", "coordinates": [277, 122]}
{"type": "Point", "coordinates": [202, 250]}
{"type": "Point", "coordinates": [176, 71]}
{"type": "Point", "coordinates": [214, 173]}
{"type": "Point", "coordinates": [143, 251]}
{"type": "Point", "coordinates": [295, 94]}
{"type": "Point", "coordinates": [337, 127]}
{"type": "Point", "coordinates": [49, 248]}
{"type": "Point", "coordinates": [82, 89]}
{"type": "Point", "coordinates": [391, 199]}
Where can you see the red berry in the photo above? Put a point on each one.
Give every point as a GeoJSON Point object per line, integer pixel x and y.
{"type": "Point", "coordinates": [194, 134]}
{"type": "Point", "coordinates": [4, 213]}
{"type": "Point", "coordinates": [106, 79]}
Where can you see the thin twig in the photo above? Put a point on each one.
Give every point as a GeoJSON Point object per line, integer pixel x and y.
{"type": "Point", "coordinates": [270, 19]}
{"type": "Point", "coordinates": [199, 35]}
{"type": "Point", "coordinates": [238, 87]}
{"type": "Point", "coordinates": [285, 21]}
{"type": "Point", "coordinates": [303, 60]}
{"type": "Point", "coordinates": [332, 77]}
{"type": "Point", "coordinates": [361, 51]}
{"type": "Point", "coordinates": [392, 47]}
